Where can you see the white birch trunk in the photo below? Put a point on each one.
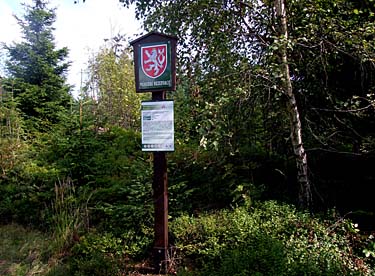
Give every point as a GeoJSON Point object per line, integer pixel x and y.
{"type": "Point", "coordinates": [305, 197]}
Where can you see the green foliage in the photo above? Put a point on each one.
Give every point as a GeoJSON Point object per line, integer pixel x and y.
{"type": "Point", "coordinates": [85, 179]}
{"type": "Point", "coordinates": [12, 144]}
{"type": "Point", "coordinates": [266, 239]}
{"type": "Point", "coordinates": [369, 249]}
{"type": "Point", "coordinates": [97, 254]}
{"type": "Point", "coordinates": [103, 253]}
{"type": "Point", "coordinates": [342, 73]}
{"type": "Point", "coordinates": [107, 166]}
{"type": "Point", "coordinates": [113, 194]}
{"type": "Point", "coordinates": [37, 70]}
{"type": "Point", "coordinates": [110, 166]}
{"type": "Point", "coordinates": [259, 256]}
{"type": "Point", "coordinates": [202, 179]}
{"type": "Point", "coordinates": [229, 73]}
{"type": "Point", "coordinates": [111, 86]}
{"type": "Point", "coordinates": [26, 193]}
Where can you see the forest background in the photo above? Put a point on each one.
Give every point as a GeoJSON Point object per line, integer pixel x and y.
{"type": "Point", "coordinates": [274, 108]}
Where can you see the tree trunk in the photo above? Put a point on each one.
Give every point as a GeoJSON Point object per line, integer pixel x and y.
{"type": "Point", "coordinates": [305, 197]}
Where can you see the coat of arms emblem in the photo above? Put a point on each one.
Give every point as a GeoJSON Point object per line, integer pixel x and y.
{"type": "Point", "coordinates": [154, 60]}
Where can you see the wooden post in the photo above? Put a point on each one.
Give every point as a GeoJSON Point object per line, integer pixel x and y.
{"type": "Point", "coordinates": [160, 197]}
{"type": "Point", "coordinates": [157, 81]}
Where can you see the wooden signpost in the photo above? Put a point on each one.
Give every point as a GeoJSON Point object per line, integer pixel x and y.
{"type": "Point", "coordinates": [155, 71]}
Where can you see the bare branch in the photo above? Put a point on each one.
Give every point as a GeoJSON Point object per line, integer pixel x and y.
{"type": "Point", "coordinates": [345, 111]}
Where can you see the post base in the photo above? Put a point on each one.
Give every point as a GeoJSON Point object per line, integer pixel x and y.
{"type": "Point", "coordinates": [160, 257]}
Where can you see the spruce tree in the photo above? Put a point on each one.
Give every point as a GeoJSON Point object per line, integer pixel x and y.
{"type": "Point", "coordinates": [37, 70]}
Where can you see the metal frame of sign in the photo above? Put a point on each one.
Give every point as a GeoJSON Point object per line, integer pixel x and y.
{"type": "Point", "coordinates": [150, 49]}
{"type": "Point", "coordinates": [157, 126]}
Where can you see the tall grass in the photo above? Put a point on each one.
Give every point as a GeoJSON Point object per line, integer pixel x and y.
{"type": "Point", "coordinates": [70, 215]}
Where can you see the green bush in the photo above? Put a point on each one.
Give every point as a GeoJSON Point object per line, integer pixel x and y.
{"type": "Point", "coordinates": [103, 253]}
{"type": "Point", "coordinates": [26, 193]}
{"type": "Point", "coordinates": [97, 254]}
{"type": "Point", "coordinates": [268, 239]}
{"type": "Point", "coordinates": [259, 256]}
{"type": "Point", "coordinates": [97, 264]}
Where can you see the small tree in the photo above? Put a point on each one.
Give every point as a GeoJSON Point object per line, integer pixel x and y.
{"type": "Point", "coordinates": [111, 86]}
{"type": "Point", "coordinates": [36, 69]}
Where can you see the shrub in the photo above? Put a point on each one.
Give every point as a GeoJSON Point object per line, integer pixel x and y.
{"type": "Point", "coordinates": [259, 256]}
{"type": "Point", "coordinates": [97, 254]}
{"type": "Point", "coordinates": [103, 253]}
{"type": "Point", "coordinates": [253, 241]}
{"type": "Point", "coordinates": [26, 193]}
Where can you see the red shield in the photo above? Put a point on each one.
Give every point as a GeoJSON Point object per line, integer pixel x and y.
{"type": "Point", "coordinates": [154, 60]}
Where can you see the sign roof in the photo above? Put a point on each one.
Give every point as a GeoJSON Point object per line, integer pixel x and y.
{"type": "Point", "coordinates": [153, 33]}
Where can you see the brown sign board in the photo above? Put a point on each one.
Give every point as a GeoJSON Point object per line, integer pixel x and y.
{"type": "Point", "coordinates": [155, 62]}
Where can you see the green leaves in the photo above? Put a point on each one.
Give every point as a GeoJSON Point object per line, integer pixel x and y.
{"type": "Point", "coordinates": [111, 83]}
{"type": "Point", "coordinates": [269, 239]}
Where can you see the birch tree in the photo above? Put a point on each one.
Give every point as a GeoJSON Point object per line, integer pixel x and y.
{"type": "Point", "coordinates": [305, 196]}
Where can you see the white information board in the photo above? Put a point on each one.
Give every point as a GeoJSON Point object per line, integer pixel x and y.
{"type": "Point", "coordinates": [157, 126]}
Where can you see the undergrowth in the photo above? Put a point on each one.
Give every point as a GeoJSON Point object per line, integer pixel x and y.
{"type": "Point", "coordinates": [268, 239]}
{"type": "Point", "coordinates": [25, 251]}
